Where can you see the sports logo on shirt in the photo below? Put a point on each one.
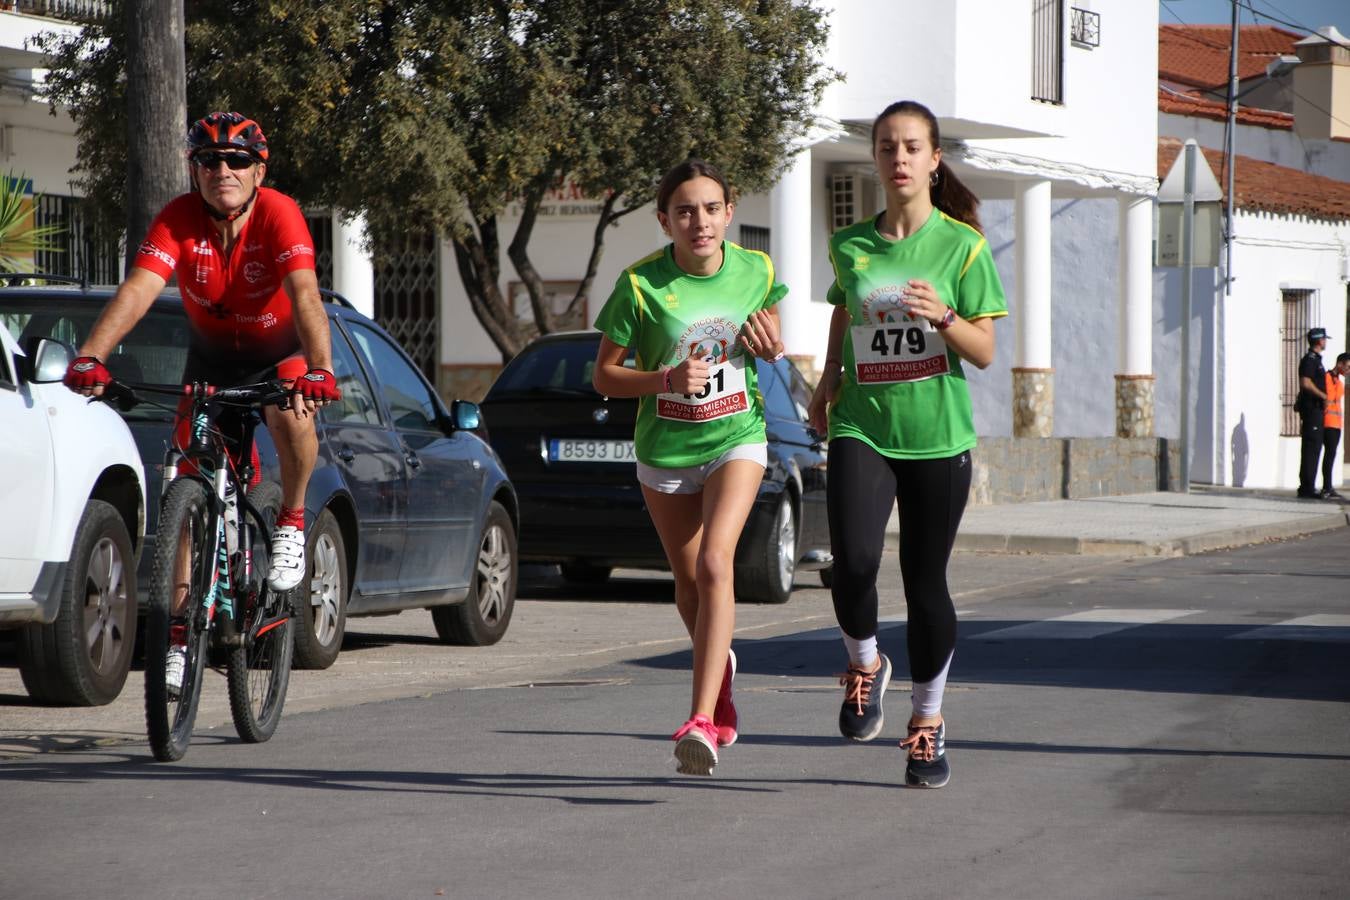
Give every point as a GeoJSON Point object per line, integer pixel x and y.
{"type": "Point", "coordinates": [254, 272]}
{"type": "Point", "coordinates": [886, 305]}
{"type": "Point", "coordinates": [712, 339]}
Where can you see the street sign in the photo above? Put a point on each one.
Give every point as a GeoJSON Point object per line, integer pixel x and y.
{"type": "Point", "coordinates": [1208, 214]}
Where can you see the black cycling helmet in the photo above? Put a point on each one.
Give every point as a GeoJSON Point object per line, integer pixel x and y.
{"type": "Point", "coordinates": [227, 131]}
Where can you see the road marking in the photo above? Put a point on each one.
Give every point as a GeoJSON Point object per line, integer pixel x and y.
{"type": "Point", "coordinates": [1085, 625]}
{"type": "Point", "coordinates": [1321, 628]}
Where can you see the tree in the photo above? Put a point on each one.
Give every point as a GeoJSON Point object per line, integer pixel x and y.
{"type": "Point", "coordinates": [156, 113]}
{"type": "Point", "coordinates": [426, 115]}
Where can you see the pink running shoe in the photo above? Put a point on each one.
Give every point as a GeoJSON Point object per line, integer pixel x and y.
{"type": "Point", "coordinates": [696, 746]}
{"type": "Point", "coordinates": [724, 713]}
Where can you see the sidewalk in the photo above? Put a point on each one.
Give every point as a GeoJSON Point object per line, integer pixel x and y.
{"type": "Point", "coordinates": [1157, 524]}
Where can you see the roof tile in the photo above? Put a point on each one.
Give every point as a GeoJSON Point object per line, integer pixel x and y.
{"type": "Point", "coordinates": [1266, 187]}
{"type": "Point", "coordinates": [1197, 55]}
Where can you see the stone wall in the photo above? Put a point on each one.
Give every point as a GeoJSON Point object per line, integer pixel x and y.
{"type": "Point", "coordinates": [1021, 470]}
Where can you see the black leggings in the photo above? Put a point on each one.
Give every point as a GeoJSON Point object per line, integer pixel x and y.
{"type": "Point", "coordinates": [862, 486]}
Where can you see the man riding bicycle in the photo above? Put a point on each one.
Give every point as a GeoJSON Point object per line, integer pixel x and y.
{"type": "Point", "coordinates": [244, 259]}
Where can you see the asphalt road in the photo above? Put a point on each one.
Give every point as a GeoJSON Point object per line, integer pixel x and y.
{"type": "Point", "coordinates": [1164, 728]}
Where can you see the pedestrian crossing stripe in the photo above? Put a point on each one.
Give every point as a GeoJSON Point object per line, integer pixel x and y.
{"type": "Point", "coordinates": [1090, 623]}
{"type": "Point", "coordinates": [1320, 628]}
{"type": "Point", "coordinates": [1093, 623]}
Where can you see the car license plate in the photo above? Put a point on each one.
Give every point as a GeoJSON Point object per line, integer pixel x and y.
{"type": "Point", "coordinates": [585, 450]}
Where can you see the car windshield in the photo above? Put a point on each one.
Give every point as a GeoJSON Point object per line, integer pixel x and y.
{"type": "Point", "coordinates": [154, 353]}
{"type": "Point", "coordinates": [552, 367]}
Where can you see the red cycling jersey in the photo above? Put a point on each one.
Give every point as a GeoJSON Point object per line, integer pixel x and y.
{"type": "Point", "coordinates": [236, 306]}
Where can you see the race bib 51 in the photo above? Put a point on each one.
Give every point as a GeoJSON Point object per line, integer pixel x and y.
{"type": "Point", "coordinates": [724, 395]}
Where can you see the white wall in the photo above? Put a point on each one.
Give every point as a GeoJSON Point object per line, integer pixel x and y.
{"type": "Point", "coordinates": [39, 145]}
{"type": "Point", "coordinates": [1272, 252]}
{"type": "Point", "coordinates": [1330, 159]}
{"type": "Point", "coordinates": [1108, 120]}
{"type": "Point", "coordinates": [1084, 319]}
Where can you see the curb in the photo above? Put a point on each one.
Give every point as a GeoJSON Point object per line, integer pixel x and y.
{"type": "Point", "coordinates": [1182, 546]}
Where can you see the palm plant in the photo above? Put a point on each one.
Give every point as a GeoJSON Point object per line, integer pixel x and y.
{"type": "Point", "coordinates": [20, 237]}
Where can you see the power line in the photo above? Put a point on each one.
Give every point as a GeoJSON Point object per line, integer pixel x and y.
{"type": "Point", "coordinates": [1247, 5]}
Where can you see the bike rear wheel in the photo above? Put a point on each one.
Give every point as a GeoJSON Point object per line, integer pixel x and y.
{"type": "Point", "coordinates": [260, 671]}
{"type": "Point", "coordinates": [182, 548]}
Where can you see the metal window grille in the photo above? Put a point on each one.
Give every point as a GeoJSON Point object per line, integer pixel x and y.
{"type": "Point", "coordinates": [406, 301]}
{"type": "Point", "coordinates": [85, 251]}
{"type": "Point", "coordinates": [1293, 344]}
{"type": "Point", "coordinates": [843, 201]}
{"type": "Point", "coordinates": [1085, 27]}
{"type": "Point", "coordinates": [755, 237]}
{"type": "Point", "coordinates": [321, 229]}
{"type": "Point", "coordinates": [1047, 51]}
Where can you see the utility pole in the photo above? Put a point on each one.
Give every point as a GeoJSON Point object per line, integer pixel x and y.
{"type": "Point", "coordinates": [1230, 155]}
{"type": "Point", "coordinates": [156, 113]}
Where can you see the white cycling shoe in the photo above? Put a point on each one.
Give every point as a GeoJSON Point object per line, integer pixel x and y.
{"type": "Point", "coordinates": [288, 559]}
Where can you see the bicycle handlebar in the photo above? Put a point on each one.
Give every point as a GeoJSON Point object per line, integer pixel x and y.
{"type": "Point", "coordinates": [260, 394]}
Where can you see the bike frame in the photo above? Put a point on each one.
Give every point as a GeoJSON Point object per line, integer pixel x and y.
{"type": "Point", "coordinates": [210, 457]}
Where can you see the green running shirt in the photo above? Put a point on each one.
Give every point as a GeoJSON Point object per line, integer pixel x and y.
{"type": "Point", "coordinates": [666, 315]}
{"type": "Point", "coordinates": [903, 392]}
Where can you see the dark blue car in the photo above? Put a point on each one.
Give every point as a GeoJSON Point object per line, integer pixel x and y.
{"type": "Point", "coordinates": [408, 506]}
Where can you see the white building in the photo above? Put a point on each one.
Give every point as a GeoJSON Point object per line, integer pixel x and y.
{"type": "Point", "coordinates": [33, 143]}
{"type": "Point", "coordinates": [1052, 112]}
{"type": "Point", "coordinates": [1047, 112]}
{"type": "Point", "coordinates": [1291, 242]}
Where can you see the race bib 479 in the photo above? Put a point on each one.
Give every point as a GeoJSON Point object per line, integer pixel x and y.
{"type": "Point", "coordinates": [898, 351]}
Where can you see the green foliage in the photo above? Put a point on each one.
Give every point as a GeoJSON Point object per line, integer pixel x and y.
{"type": "Point", "coordinates": [422, 114]}
{"type": "Point", "coordinates": [19, 237]}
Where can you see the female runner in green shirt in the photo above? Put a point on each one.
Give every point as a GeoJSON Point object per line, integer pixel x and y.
{"type": "Point", "coordinates": [915, 293]}
{"type": "Point", "coordinates": [696, 311]}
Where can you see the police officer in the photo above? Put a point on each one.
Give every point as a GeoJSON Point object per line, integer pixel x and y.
{"type": "Point", "coordinates": [1311, 404]}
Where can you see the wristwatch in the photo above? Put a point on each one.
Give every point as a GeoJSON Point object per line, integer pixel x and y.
{"type": "Point", "coordinates": [946, 321]}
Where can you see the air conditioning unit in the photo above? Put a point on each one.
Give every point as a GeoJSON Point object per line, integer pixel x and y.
{"type": "Point", "coordinates": [853, 197]}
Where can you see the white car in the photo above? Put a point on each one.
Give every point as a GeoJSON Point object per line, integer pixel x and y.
{"type": "Point", "coordinates": [72, 519]}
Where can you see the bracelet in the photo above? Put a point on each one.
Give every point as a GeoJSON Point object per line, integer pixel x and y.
{"type": "Point", "coordinates": [777, 357]}
{"type": "Point", "coordinates": [669, 390]}
{"type": "Point", "coordinates": [946, 321]}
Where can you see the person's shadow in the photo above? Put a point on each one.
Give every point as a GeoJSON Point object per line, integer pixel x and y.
{"type": "Point", "coordinates": [1238, 445]}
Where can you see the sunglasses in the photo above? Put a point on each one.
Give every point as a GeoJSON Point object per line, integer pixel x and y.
{"type": "Point", "coordinates": [235, 161]}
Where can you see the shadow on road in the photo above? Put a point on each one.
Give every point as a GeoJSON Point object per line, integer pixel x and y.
{"type": "Point", "coordinates": [526, 785]}
{"type": "Point", "coordinates": [1292, 664]}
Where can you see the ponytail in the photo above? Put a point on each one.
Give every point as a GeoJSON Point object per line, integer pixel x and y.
{"type": "Point", "coordinates": [947, 192]}
{"type": "Point", "coordinates": [951, 196]}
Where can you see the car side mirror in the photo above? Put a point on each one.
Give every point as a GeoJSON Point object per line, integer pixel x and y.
{"type": "Point", "coordinates": [50, 360]}
{"type": "Point", "coordinates": [465, 416]}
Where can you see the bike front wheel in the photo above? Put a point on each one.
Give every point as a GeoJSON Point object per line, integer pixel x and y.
{"type": "Point", "coordinates": [260, 671]}
{"type": "Point", "coordinates": [176, 621]}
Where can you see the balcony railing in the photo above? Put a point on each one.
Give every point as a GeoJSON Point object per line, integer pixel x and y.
{"type": "Point", "coordinates": [70, 10]}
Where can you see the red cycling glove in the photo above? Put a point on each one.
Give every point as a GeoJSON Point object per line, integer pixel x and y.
{"type": "Point", "coordinates": [319, 385]}
{"type": "Point", "coordinates": [87, 373]}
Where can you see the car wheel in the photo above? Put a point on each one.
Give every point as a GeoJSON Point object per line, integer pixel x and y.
{"type": "Point", "coordinates": [321, 600]}
{"type": "Point", "coordinates": [773, 564]}
{"type": "Point", "coordinates": [484, 615]}
{"type": "Point", "coordinates": [585, 573]}
{"type": "Point", "coordinates": [82, 658]}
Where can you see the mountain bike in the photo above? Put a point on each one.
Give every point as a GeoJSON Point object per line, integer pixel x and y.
{"type": "Point", "coordinates": [208, 595]}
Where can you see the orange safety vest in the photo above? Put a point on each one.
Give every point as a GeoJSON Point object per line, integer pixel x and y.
{"type": "Point", "coordinates": [1335, 400]}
